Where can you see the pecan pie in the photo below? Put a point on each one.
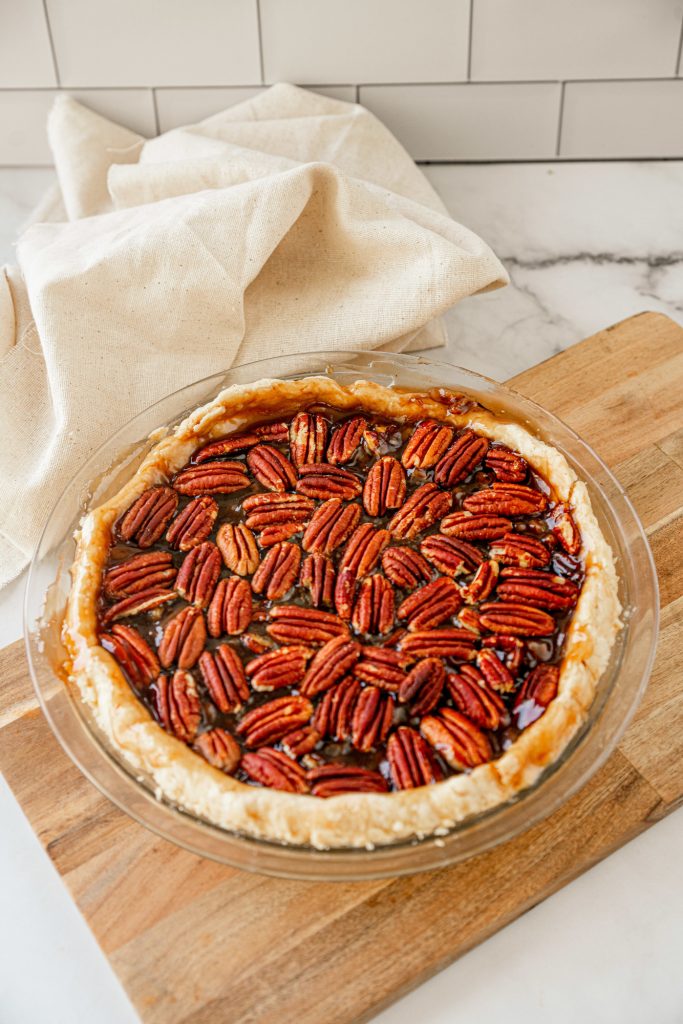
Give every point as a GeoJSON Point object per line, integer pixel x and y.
{"type": "Point", "coordinates": [342, 615]}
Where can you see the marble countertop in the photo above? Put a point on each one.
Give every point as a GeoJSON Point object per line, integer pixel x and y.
{"type": "Point", "coordinates": [586, 244]}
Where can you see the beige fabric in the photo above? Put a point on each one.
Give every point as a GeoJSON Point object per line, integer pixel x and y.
{"type": "Point", "coordinates": [291, 222]}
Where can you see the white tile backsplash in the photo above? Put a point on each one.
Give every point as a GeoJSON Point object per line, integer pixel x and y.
{"type": "Point", "coordinates": [186, 106]}
{"type": "Point", "coordinates": [338, 41]}
{"type": "Point", "coordinates": [155, 42]}
{"type": "Point", "coordinates": [177, 107]}
{"type": "Point", "coordinates": [622, 119]}
{"type": "Point", "coordinates": [23, 135]}
{"type": "Point", "coordinates": [534, 39]}
{"type": "Point", "coordinates": [470, 122]}
{"type": "Point", "coordinates": [25, 54]}
{"type": "Point", "coordinates": [23, 118]}
{"type": "Point", "coordinates": [456, 79]}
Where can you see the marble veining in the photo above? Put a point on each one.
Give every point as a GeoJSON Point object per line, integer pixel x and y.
{"type": "Point", "coordinates": [586, 245]}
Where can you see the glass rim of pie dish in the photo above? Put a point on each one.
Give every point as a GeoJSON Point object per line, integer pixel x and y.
{"type": "Point", "coordinates": [618, 693]}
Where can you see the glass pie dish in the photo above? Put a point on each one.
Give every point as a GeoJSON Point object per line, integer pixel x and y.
{"type": "Point", "coordinates": [617, 694]}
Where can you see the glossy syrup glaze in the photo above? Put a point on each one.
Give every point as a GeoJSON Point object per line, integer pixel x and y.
{"type": "Point", "coordinates": [467, 667]}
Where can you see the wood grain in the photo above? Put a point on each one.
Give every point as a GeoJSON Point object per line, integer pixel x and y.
{"type": "Point", "coordinates": [196, 942]}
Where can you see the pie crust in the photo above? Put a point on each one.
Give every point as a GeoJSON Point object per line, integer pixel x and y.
{"type": "Point", "coordinates": [185, 779]}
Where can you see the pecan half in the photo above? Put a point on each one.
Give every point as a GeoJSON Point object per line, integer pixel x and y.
{"type": "Point", "coordinates": [177, 705]}
{"type": "Point", "coordinates": [193, 525]}
{"type": "Point", "coordinates": [452, 557]}
{"type": "Point", "coordinates": [277, 432]}
{"type": "Point", "coordinates": [256, 644]}
{"type": "Point", "coordinates": [411, 761]}
{"type": "Point", "coordinates": [537, 588]}
{"type": "Point", "coordinates": [142, 601]}
{"type": "Point", "coordinates": [334, 779]}
{"type": "Point", "coordinates": [496, 674]}
{"type": "Point", "coordinates": [331, 663]}
{"type": "Point", "coordinates": [220, 749]}
{"type": "Point", "coordinates": [274, 534]}
{"type": "Point", "coordinates": [364, 547]}
{"type": "Point", "coordinates": [300, 742]}
{"type": "Point", "coordinates": [469, 620]}
{"type": "Point", "coordinates": [461, 459]}
{"type": "Point", "coordinates": [536, 693]}
{"type": "Point", "coordinates": [511, 650]}
{"type": "Point", "coordinates": [133, 653]}
{"type": "Point", "coordinates": [346, 440]}
{"type": "Point", "coordinates": [423, 686]}
{"type": "Point", "coordinates": [198, 575]}
{"type": "Point", "coordinates": [482, 584]}
{"type": "Point", "coordinates": [517, 549]}
{"type": "Point", "coordinates": [278, 571]}
{"type": "Point", "coordinates": [223, 674]}
{"type": "Point", "coordinates": [460, 742]}
{"type": "Point", "coordinates": [508, 466]}
{"type": "Point", "coordinates": [231, 609]}
{"type": "Point", "coordinates": [382, 667]}
{"type": "Point", "coordinates": [426, 444]}
{"type": "Point", "coordinates": [285, 666]}
{"type": "Point", "coordinates": [515, 619]}
{"type": "Point", "coordinates": [331, 524]}
{"type": "Point", "coordinates": [439, 643]}
{"type": "Point", "coordinates": [345, 593]}
{"type": "Point", "coordinates": [566, 530]}
{"type": "Point", "coordinates": [318, 576]}
{"type": "Point", "coordinates": [271, 468]}
{"type": "Point", "coordinates": [141, 572]}
{"type": "Point", "coordinates": [272, 509]}
{"type": "Point", "coordinates": [212, 478]}
{"type": "Point", "coordinates": [322, 481]}
{"type": "Point", "coordinates": [385, 486]}
{"type": "Point", "coordinates": [373, 611]}
{"type": "Point", "coordinates": [237, 545]}
{"type": "Point", "coordinates": [270, 722]}
{"type": "Point", "coordinates": [184, 638]}
{"type": "Point", "coordinates": [424, 507]}
{"type": "Point", "coordinates": [291, 624]}
{"type": "Point", "coordinates": [405, 568]}
{"type": "Point", "coordinates": [473, 697]}
{"type": "Point", "coordinates": [467, 526]}
{"type": "Point", "coordinates": [275, 770]}
{"type": "Point", "coordinates": [430, 605]}
{"type": "Point", "coordinates": [308, 438]}
{"type": "Point", "coordinates": [334, 714]}
{"type": "Point", "coordinates": [225, 446]}
{"type": "Point", "coordinates": [148, 516]}
{"type": "Point", "coordinates": [372, 718]}
{"type": "Point", "coordinates": [506, 500]}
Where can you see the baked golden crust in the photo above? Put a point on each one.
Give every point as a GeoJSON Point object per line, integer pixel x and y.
{"type": "Point", "coordinates": [353, 819]}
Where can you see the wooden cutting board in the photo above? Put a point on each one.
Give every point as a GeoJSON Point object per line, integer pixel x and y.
{"type": "Point", "coordinates": [193, 941]}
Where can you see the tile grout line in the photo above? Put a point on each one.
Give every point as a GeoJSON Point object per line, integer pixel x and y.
{"type": "Point", "coordinates": [52, 45]}
{"type": "Point", "coordinates": [469, 42]}
{"type": "Point", "coordinates": [260, 40]}
{"type": "Point", "coordinates": [680, 50]}
{"type": "Point", "coordinates": [156, 111]}
{"type": "Point", "coordinates": [560, 119]}
{"type": "Point", "coordinates": [333, 85]}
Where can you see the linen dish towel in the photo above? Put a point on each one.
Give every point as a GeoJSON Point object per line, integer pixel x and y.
{"type": "Point", "coordinates": [290, 222]}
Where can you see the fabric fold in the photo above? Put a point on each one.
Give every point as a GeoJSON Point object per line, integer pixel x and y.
{"type": "Point", "coordinates": [291, 222]}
